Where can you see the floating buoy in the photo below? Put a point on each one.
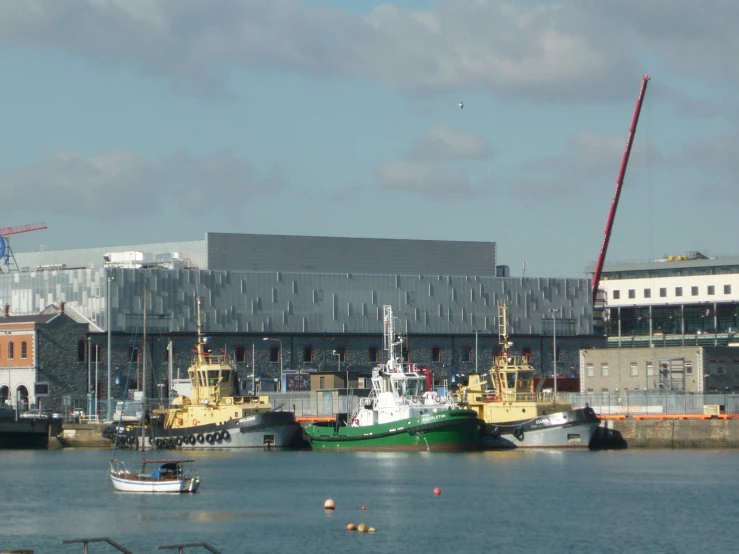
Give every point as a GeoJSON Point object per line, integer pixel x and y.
{"type": "Point", "coordinates": [437, 491]}
{"type": "Point", "coordinates": [362, 528]}
{"type": "Point", "coordinates": [351, 527]}
{"type": "Point", "coordinates": [329, 505]}
{"type": "Point", "coordinates": [371, 530]}
{"type": "Point", "coordinates": [363, 508]}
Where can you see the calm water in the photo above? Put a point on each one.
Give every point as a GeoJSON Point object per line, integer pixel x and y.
{"type": "Point", "coordinates": [272, 502]}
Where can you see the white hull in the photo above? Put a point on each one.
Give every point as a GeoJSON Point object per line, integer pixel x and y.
{"type": "Point", "coordinates": [127, 485]}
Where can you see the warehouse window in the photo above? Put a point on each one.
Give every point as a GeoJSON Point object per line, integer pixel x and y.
{"type": "Point", "coordinates": [589, 370]}
{"type": "Point", "coordinates": [604, 370]}
{"type": "Point", "coordinates": [634, 369]}
{"type": "Point", "coordinates": [616, 294]}
{"type": "Point", "coordinates": [467, 354]}
{"type": "Point", "coordinates": [24, 350]}
{"type": "Point", "coordinates": [711, 290]}
{"type": "Point", "coordinates": [727, 289]}
{"type": "Point", "coordinates": [308, 353]}
{"type": "Point", "coordinates": [662, 292]}
{"type": "Point", "coordinates": [373, 357]}
{"type": "Point", "coordinates": [274, 354]}
{"type": "Point", "coordinates": [11, 350]}
{"type": "Point", "coordinates": [81, 350]}
{"type": "Point", "coordinates": [436, 354]}
{"type": "Point", "coordinates": [240, 353]}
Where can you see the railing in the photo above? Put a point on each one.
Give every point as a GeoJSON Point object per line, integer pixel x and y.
{"type": "Point", "coordinates": [179, 547]}
{"type": "Point", "coordinates": [653, 402]}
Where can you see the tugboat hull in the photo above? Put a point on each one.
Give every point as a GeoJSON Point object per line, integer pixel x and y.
{"type": "Point", "coordinates": [451, 430]}
{"type": "Point", "coordinates": [570, 429]}
{"type": "Point", "coordinates": [267, 430]}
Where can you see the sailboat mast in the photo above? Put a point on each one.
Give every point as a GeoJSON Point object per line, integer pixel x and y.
{"type": "Point", "coordinates": [143, 386]}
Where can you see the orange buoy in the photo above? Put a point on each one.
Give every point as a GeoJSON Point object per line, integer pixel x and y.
{"type": "Point", "coordinates": [351, 527]}
{"type": "Point", "coordinates": [363, 508]}
{"type": "Point", "coordinates": [437, 491]}
{"type": "Point", "coordinates": [329, 505]}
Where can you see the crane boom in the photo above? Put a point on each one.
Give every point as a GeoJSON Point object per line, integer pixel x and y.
{"type": "Point", "coordinates": [7, 231]}
{"type": "Point", "coordinates": [619, 185]}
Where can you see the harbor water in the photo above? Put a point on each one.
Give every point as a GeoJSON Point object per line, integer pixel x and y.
{"type": "Point", "coordinates": [272, 502]}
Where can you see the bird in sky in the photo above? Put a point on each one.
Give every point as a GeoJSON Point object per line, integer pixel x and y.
{"type": "Point", "coordinates": [461, 105]}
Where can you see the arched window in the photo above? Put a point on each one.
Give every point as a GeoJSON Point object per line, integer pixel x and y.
{"type": "Point", "coordinates": [436, 354]}
{"type": "Point", "coordinates": [308, 353]}
{"type": "Point", "coordinates": [467, 354]}
{"type": "Point", "coordinates": [21, 395]}
{"type": "Point", "coordinates": [274, 353]}
{"type": "Point", "coordinates": [11, 350]}
{"type": "Point", "coordinates": [4, 395]}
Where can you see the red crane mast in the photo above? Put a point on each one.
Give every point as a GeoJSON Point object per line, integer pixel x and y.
{"type": "Point", "coordinates": [619, 186]}
{"type": "Point", "coordinates": [7, 231]}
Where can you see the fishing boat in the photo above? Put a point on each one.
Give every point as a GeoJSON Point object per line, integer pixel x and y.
{"type": "Point", "coordinates": [212, 416]}
{"type": "Point", "coordinates": [515, 414]}
{"type": "Point", "coordinates": [155, 475]}
{"type": "Point", "coordinates": [402, 411]}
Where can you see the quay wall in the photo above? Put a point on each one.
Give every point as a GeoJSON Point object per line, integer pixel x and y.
{"type": "Point", "coordinates": [676, 433]}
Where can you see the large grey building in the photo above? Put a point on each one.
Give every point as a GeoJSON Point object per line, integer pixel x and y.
{"type": "Point", "coordinates": [316, 300]}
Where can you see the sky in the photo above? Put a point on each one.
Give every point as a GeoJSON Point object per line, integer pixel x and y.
{"type": "Point", "coordinates": [135, 121]}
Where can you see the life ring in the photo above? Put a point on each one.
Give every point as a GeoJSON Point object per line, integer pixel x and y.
{"type": "Point", "coordinates": [209, 438]}
{"type": "Point", "coordinates": [201, 438]}
{"type": "Point", "coordinates": [194, 421]}
{"type": "Point", "coordinates": [355, 422]}
{"type": "Point", "coordinates": [226, 435]}
{"type": "Point", "coordinates": [415, 399]}
{"type": "Point", "coordinates": [437, 399]}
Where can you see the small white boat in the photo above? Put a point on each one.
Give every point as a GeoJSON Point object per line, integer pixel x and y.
{"type": "Point", "coordinates": [155, 475]}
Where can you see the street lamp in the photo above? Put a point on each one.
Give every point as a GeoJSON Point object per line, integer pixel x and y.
{"type": "Point", "coordinates": [160, 386]}
{"type": "Point", "coordinates": [280, 341]}
{"type": "Point", "coordinates": [554, 311]}
{"type": "Point", "coordinates": [475, 350]}
{"type": "Point", "coordinates": [338, 359]}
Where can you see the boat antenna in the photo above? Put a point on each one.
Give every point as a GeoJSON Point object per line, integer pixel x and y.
{"type": "Point", "coordinates": [143, 386]}
{"type": "Point", "coordinates": [200, 333]}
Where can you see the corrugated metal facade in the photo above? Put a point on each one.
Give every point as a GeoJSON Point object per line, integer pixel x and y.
{"type": "Point", "coordinates": [193, 252]}
{"type": "Point", "coordinates": [280, 302]}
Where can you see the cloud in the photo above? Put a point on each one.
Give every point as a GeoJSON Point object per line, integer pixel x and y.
{"type": "Point", "coordinates": [121, 184]}
{"type": "Point", "coordinates": [424, 168]}
{"type": "Point", "coordinates": [541, 50]}
{"type": "Point", "coordinates": [444, 142]}
{"type": "Point", "coordinates": [429, 179]}
{"type": "Point", "coordinates": [591, 157]}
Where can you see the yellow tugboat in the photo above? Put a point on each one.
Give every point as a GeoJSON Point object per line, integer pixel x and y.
{"type": "Point", "coordinates": [212, 416]}
{"type": "Point", "coordinates": [515, 414]}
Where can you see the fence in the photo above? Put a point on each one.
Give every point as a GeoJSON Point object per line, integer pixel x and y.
{"type": "Point", "coordinates": [653, 402]}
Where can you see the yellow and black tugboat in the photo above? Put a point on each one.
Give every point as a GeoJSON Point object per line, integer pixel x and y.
{"type": "Point", "coordinates": [213, 416]}
{"type": "Point", "coordinates": [515, 414]}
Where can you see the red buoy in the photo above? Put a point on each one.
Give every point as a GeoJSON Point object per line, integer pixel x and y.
{"type": "Point", "coordinates": [437, 491]}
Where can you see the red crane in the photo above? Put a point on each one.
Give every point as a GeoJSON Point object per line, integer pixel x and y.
{"type": "Point", "coordinates": [619, 185]}
{"type": "Point", "coordinates": [7, 231]}
{"type": "Point", "coordinates": [5, 251]}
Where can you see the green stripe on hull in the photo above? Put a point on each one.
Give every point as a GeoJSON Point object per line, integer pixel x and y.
{"type": "Point", "coordinates": [448, 430]}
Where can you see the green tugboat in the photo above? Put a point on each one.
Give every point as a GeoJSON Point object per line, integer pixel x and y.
{"type": "Point", "coordinates": [402, 412]}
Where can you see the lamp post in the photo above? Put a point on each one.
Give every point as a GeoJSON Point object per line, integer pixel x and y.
{"type": "Point", "coordinates": [338, 359]}
{"type": "Point", "coordinates": [280, 341]}
{"type": "Point", "coordinates": [554, 311]}
{"type": "Point", "coordinates": [107, 324]}
{"type": "Point", "coordinates": [475, 350]}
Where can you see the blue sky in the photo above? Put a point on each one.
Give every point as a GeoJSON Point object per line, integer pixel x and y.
{"type": "Point", "coordinates": [131, 121]}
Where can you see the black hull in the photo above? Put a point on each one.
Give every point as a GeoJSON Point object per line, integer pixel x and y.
{"type": "Point", "coordinates": [24, 434]}
{"type": "Point", "coordinates": [269, 430]}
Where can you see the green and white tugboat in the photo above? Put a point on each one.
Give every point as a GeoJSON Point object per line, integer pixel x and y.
{"type": "Point", "coordinates": [402, 412]}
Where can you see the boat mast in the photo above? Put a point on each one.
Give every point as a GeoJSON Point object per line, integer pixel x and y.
{"type": "Point", "coordinates": [143, 386]}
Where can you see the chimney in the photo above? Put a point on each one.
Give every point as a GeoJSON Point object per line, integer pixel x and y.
{"type": "Point", "coordinates": [61, 307]}
{"type": "Point", "coordinates": [6, 310]}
